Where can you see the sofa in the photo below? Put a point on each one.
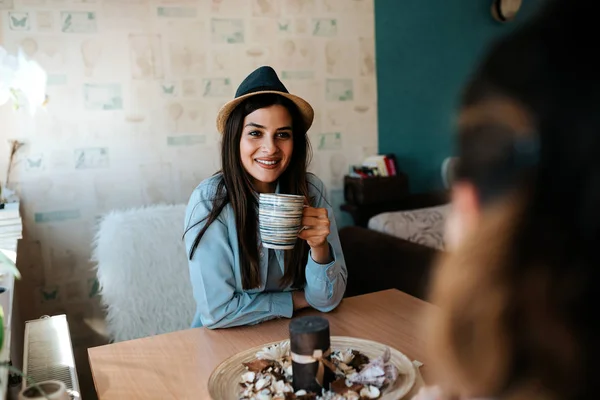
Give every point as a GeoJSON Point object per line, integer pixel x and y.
{"type": "Point", "coordinates": [394, 244]}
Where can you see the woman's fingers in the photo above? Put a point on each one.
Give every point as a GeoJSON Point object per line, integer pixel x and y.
{"type": "Point", "coordinates": [315, 212]}
{"type": "Point", "coordinates": [315, 226]}
{"type": "Point", "coordinates": [314, 221]}
{"type": "Point", "coordinates": [314, 231]}
{"type": "Point", "coordinates": [309, 232]}
{"type": "Point", "coordinates": [312, 239]}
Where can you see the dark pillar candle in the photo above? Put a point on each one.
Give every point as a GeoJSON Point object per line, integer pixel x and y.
{"type": "Point", "coordinates": [308, 334]}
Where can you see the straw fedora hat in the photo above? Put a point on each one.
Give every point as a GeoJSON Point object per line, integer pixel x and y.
{"type": "Point", "coordinates": [263, 80]}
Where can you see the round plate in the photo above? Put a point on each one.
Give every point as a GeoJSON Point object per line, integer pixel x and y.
{"type": "Point", "coordinates": [223, 383]}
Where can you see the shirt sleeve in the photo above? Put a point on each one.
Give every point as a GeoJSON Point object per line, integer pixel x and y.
{"type": "Point", "coordinates": [326, 283]}
{"type": "Point", "coordinates": [219, 304]}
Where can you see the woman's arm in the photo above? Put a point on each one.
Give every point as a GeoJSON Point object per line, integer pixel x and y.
{"type": "Point", "coordinates": [299, 300]}
{"type": "Point", "coordinates": [219, 304]}
{"type": "Point", "coordinates": [325, 280]}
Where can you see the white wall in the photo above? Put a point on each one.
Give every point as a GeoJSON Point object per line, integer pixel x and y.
{"type": "Point", "coordinates": [134, 89]}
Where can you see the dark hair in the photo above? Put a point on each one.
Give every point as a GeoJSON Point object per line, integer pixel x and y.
{"type": "Point", "coordinates": [530, 273]}
{"type": "Point", "coordinates": [235, 187]}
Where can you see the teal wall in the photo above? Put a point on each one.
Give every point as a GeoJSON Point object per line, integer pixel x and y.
{"type": "Point", "coordinates": [425, 51]}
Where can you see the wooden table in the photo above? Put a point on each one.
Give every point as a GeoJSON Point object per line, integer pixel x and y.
{"type": "Point", "coordinates": [177, 365]}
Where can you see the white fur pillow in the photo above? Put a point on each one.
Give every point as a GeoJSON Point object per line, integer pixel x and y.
{"type": "Point", "coordinates": [143, 271]}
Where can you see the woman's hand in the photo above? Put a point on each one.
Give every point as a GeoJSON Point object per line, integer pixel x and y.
{"type": "Point", "coordinates": [315, 229]}
{"type": "Point", "coordinates": [299, 300]}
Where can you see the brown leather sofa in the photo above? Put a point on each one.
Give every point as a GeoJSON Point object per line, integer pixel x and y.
{"type": "Point", "coordinates": [377, 261]}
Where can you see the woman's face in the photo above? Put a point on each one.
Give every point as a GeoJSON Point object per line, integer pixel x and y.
{"type": "Point", "coordinates": [266, 145]}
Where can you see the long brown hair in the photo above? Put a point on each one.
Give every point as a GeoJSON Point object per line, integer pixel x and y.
{"type": "Point", "coordinates": [516, 299]}
{"type": "Point", "coordinates": [235, 187]}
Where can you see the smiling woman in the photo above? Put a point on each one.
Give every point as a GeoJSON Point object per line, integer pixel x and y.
{"type": "Point", "coordinates": [266, 145]}
{"type": "Point", "coordinates": [265, 150]}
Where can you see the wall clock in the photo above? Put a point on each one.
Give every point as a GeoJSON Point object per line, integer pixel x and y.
{"type": "Point", "coordinates": [505, 10]}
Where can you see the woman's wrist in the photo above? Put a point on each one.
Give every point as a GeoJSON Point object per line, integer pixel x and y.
{"type": "Point", "coordinates": [299, 300]}
{"type": "Point", "coordinates": [321, 254]}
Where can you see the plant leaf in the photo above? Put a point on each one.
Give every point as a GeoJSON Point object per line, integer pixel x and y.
{"type": "Point", "coordinates": [7, 266]}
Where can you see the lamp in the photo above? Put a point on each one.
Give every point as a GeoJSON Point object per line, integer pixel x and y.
{"type": "Point", "coordinates": [449, 171]}
{"type": "Point", "coordinates": [505, 10]}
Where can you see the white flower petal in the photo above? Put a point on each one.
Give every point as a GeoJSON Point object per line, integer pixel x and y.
{"type": "Point", "coordinates": [23, 78]}
{"type": "Point", "coordinates": [276, 352]}
{"type": "Point", "coordinates": [370, 392]}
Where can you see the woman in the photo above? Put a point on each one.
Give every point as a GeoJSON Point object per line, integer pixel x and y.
{"type": "Point", "coordinates": [265, 149]}
{"type": "Point", "coordinates": [516, 318]}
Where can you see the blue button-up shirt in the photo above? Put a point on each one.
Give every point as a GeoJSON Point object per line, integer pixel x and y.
{"type": "Point", "coordinates": [216, 275]}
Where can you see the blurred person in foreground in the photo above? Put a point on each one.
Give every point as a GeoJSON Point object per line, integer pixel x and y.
{"type": "Point", "coordinates": [515, 295]}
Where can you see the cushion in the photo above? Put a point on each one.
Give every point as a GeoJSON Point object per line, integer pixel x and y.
{"type": "Point", "coordinates": [143, 271]}
{"type": "Point", "coordinates": [424, 226]}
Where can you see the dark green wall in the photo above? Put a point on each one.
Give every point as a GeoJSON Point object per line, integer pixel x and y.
{"type": "Point", "coordinates": [425, 51]}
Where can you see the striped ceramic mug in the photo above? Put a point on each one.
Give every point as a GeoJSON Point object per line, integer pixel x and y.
{"type": "Point", "coordinates": [279, 219]}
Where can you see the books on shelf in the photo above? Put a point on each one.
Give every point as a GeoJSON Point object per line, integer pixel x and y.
{"type": "Point", "coordinates": [10, 245]}
{"type": "Point", "coordinates": [377, 165]}
{"type": "Point", "coordinates": [11, 226]}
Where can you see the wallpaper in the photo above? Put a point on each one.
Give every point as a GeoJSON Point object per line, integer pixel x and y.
{"type": "Point", "coordinates": [134, 88]}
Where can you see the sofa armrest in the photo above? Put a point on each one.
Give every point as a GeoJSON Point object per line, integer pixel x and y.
{"type": "Point", "coordinates": [377, 261]}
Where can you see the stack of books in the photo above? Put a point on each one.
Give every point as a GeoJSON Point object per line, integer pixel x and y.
{"type": "Point", "coordinates": [11, 226]}
{"type": "Point", "coordinates": [378, 165]}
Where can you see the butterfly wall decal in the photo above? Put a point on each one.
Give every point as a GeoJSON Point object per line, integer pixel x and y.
{"type": "Point", "coordinates": [168, 89]}
{"type": "Point", "coordinates": [19, 21]}
{"type": "Point", "coordinates": [48, 295]}
{"type": "Point", "coordinates": [34, 163]}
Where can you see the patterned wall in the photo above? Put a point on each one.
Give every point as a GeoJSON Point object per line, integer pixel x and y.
{"type": "Point", "coordinates": [134, 89]}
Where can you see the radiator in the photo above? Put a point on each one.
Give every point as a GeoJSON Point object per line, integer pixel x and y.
{"type": "Point", "coordinates": [48, 353]}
